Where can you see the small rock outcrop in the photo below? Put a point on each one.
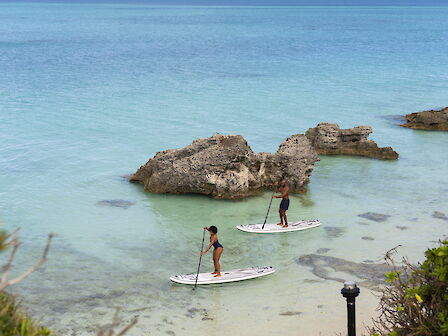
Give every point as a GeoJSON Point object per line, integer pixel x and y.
{"type": "Point", "coordinates": [329, 139]}
{"type": "Point", "coordinates": [224, 166]}
{"type": "Point", "coordinates": [435, 120]}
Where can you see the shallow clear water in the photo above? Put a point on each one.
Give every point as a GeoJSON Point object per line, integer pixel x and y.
{"type": "Point", "coordinates": [89, 92]}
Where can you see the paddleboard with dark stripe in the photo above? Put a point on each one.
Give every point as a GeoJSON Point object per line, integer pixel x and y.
{"type": "Point", "coordinates": [274, 228]}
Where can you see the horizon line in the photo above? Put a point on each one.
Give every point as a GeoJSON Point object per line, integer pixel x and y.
{"type": "Point", "coordinates": [148, 3]}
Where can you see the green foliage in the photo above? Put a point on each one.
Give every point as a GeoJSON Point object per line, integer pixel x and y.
{"type": "Point", "coordinates": [14, 322]}
{"type": "Point", "coordinates": [415, 302]}
{"type": "Point", "coordinates": [443, 318]}
{"type": "Point", "coordinates": [391, 276]}
{"type": "Point", "coordinates": [436, 263]}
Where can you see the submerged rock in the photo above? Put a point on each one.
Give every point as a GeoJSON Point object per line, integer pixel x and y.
{"type": "Point", "coordinates": [367, 238]}
{"type": "Point", "coordinates": [334, 231]}
{"type": "Point", "coordinates": [117, 203]}
{"type": "Point", "coordinates": [323, 250]}
{"type": "Point", "coordinates": [329, 139]}
{"type": "Point", "coordinates": [191, 313]}
{"type": "Point", "coordinates": [371, 275]}
{"type": "Point", "coordinates": [224, 166]}
{"type": "Point", "coordinates": [373, 216]}
{"type": "Point", "coordinates": [436, 120]}
{"type": "Point", "coordinates": [440, 215]}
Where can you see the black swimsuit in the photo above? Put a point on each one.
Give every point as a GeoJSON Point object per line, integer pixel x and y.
{"type": "Point", "coordinates": [216, 244]}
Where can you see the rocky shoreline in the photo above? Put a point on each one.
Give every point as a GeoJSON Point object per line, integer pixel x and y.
{"type": "Point", "coordinates": [225, 167]}
{"type": "Point", "coordinates": [434, 120]}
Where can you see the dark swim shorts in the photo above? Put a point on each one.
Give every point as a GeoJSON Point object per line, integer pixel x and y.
{"type": "Point", "coordinates": [284, 204]}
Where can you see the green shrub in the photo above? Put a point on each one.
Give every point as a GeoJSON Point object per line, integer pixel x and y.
{"type": "Point", "coordinates": [15, 322]}
{"type": "Point", "coordinates": [415, 301]}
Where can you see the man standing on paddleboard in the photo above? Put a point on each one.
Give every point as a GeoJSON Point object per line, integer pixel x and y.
{"type": "Point", "coordinates": [284, 204]}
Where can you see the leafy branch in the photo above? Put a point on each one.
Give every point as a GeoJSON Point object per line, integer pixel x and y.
{"type": "Point", "coordinates": [415, 302]}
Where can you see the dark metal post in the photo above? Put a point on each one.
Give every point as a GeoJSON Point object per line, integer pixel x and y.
{"type": "Point", "coordinates": [350, 292]}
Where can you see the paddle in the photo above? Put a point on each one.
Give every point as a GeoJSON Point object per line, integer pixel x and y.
{"type": "Point", "coordinates": [267, 213]}
{"type": "Point", "coordinates": [200, 259]}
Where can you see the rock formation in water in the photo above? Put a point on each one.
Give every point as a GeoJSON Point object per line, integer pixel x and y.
{"type": "Point", "coordinates": [329, 139]}
{"type": "Point", "coordinates": [331, 268]}
{"type": "Point", "coordinates": [436, 120]}
{"type": "Point", "coordinates": [374, 216]}
{"type": "Point", "coordinates": [224, 166]}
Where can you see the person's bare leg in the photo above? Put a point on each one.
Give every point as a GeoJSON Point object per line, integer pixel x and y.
{"type": "Point", "coordinates": [285, 220]}
{"type": "Point", "coordinates": [281, 217]}
{"type": "Point", "coordinates": [214, 261]}
{"type": "Point", "coordinates": [216, 256]}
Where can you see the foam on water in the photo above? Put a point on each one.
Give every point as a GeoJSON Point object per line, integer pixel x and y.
{"type": "Point", "coordinates": [90, 92]}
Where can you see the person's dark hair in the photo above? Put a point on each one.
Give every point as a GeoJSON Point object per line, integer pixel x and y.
{"type": "Point", "coordinates": [213, 229]}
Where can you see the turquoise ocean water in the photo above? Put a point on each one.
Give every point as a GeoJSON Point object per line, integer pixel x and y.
{"type": "Point", "coordinates": [89, 92]}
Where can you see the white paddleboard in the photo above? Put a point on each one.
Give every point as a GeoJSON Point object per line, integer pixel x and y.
{"type": "Point", "coordinates": [229, 276]}
{"type": "Point", "coordinates": [274, 228]}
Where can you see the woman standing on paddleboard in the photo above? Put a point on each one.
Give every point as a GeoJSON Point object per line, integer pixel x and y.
{"type": "Point", "coordinates": [217, 251]}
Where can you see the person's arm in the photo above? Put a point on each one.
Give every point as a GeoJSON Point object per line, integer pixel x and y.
{"type": "Point", "coordinates": [209, 247]}
{"type": "Point", "coordinates": [276, 188]}
{"type": "Point", "coordinates": [284, 193]}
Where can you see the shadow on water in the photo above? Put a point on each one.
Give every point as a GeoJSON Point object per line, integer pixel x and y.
{"type": "Point", "coordinates": [394, 119]}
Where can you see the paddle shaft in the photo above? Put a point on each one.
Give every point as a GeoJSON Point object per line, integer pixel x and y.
{"type": "Point", "coordinates": [200, 259]}
{"type": "Point", "coordinates": [267, 213]}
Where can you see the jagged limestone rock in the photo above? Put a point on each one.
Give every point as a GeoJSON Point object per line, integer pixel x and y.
{"type": "Point", "coordinates": [436, 120]}
{"type": "Point", "coordinates": [224, 166]}
{"type": "Point", "coordinates": [329, 139]}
